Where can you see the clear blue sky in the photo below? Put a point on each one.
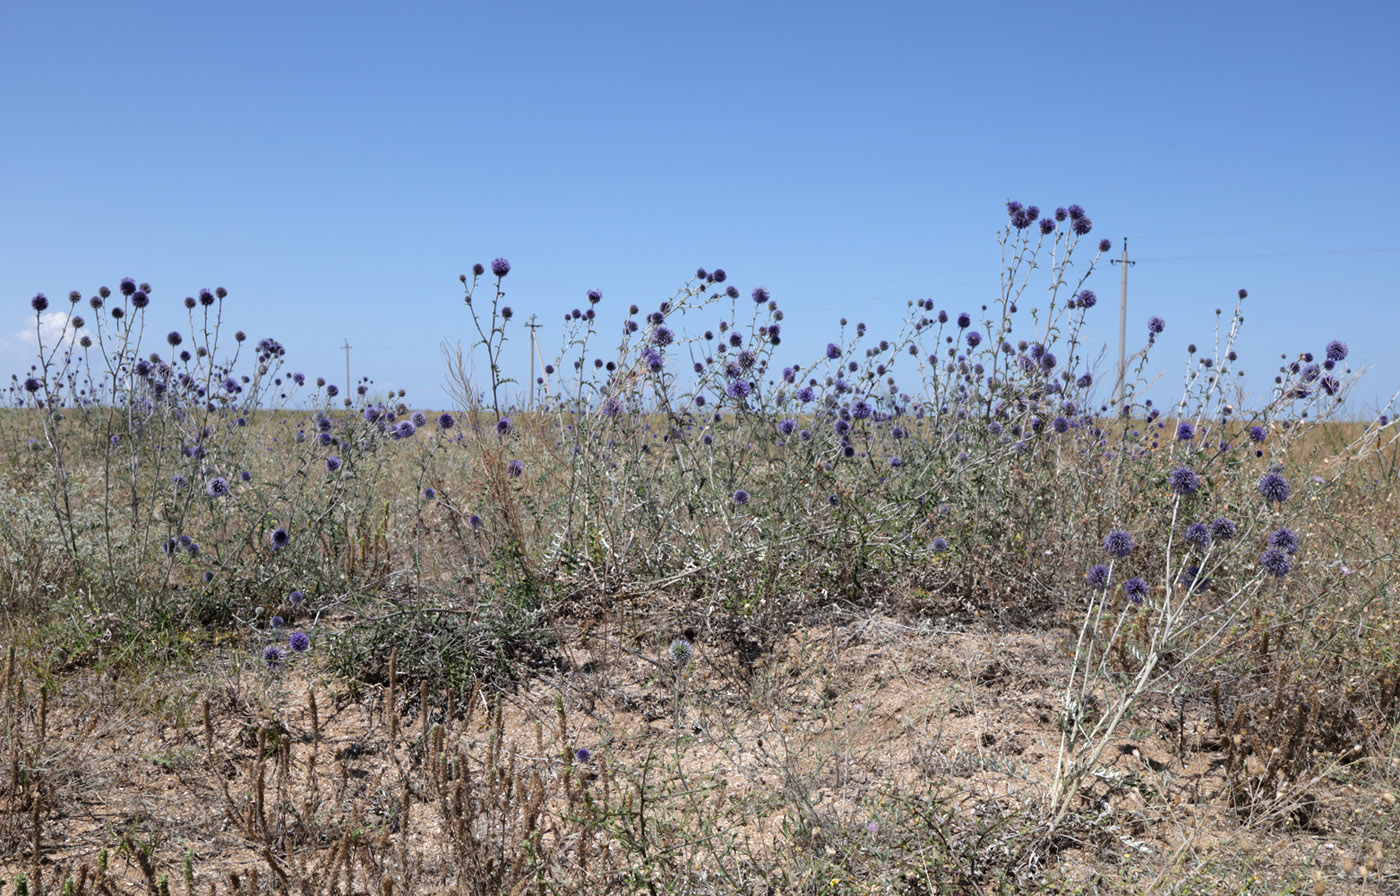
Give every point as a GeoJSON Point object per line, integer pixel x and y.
{"type": "Point", "coordinates": [336, 165]}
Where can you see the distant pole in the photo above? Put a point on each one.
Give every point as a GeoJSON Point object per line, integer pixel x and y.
{"type": "Point", "coordinates": [533, 351]}
{"type": "Point", "coordinates": [1118, 395]}
{"type": "Point", "coordinates": [347, 369]}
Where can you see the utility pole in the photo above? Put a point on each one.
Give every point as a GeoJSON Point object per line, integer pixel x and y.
{"type": "Point", "coordinates": [533, 351]}
{"type": "Point", "coordinates": [347, 370]}
{"type": "Point", "coordinates": [1122, 330]}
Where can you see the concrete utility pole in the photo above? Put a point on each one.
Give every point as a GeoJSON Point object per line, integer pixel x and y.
{"type": "Point", "coordinates": [1122, 330]}
{"type": "Point", "coordinates": [533, 351]}
{"type": "Point", "coordinates": [347, 370]}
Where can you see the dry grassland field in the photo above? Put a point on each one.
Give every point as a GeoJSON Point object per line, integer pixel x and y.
{"type": "Point", "coordinates": [929, 613]}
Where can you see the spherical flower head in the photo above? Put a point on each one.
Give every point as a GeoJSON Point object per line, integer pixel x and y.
{"type": "Point", "coordinates": [1198, 534]}
{"type": "Point", "coordinates": [1275, 488]}
{"type": "Point", "coordinates": [939, 545]}
{"type": "Point", "coordinates": [445, 421]}
{"type": "Point", "coordinates": [1097, 577]}
{"type": "Point", "coordinates": [741, 497]}
{"type": "Point", "coordinates": [245, 476]}
{"type": "Point", "coordinates": [174, 338]}
{"type": "Point", "coordinates": [1276, 562]}
{"type": "Point", "coordinates": [582, 756]}
{"type": "Point", "coordinates": [739, 389]}
{"type": "Point", "coordinates": [1046, 225]}
{"type": "Point", "coordinates": [1284, 539]}
{"type": "Point", "coordinates": [295, 598]}
{"type": "Point", "coordinates": [964, 321]}
{"type": "Point", "coordinates": [332, 390]}
{"type": "Point", "coordinates": [1222, 529]}
{"type": "Point", "coordinates": [299, 642]}
{"type": "Point", "coordinates": [405, 429]}
{"type": "Point", "coordinates": [682, 652]}
{"type": "Point", "coordinates": [1183, 481]}
{"type": "Point", "coordinates": [1105, 245]}
{"type": "Point", "coordinates": [500, 267]}
{"type": "Point", "coordinates": [974, 339]}
{"type": "Point", "coordinates": [1060, 425]}
{"type": "Point", "coordinates": [178, 481]}
{"type": "Point", "coordinates": [1135, 589]}
{"type": "Point", "coordinates": [504, 426]}
{"type": "Point", "coordinates": [833, 350]}
{"type": "Point", "coordinates": [1258, 433]}
{"type": "Point", "coordinates": [474, 521]}
{"type": "Point", "coordinates": [206, 298]}
{"type": "Point", "coordinates": [139, 299]}
{"type": "Point", "coordinates": [1087, 298]}
{"type": "Point", "coordinates": [1013, 207]}
{"type": "Point", "coordinates": [1155, 325]}
{"type": "Point", "coordinates": [127, 286]}
{"type": "Point", "coordinates": [39, 303]}
{"type": "Point", "coordinates": [429, 493]}
{"type": "Point", "coordinates": [1185, 432]}
{"type": "Point", "coordinates": [663, 336]}
{"type": "Point", "coordinates": [787, 427]}
{"type": "Point", "coordinates": [896, 462]}
{"type": "Point", "coordinates": [216, 487]}
{"type": "Point", "coordinates": [1118, 544]}
{"type": "Point", "coordinates": [1337, 351]}
{"type": "Point", "coordinates": [32, 384]}
{"type": "Point", "coordinates": [272, 657]}
{"type": "Point", "coordinates": [1075, 212]}
{"type": "Point", "coordinates": [279, 538]}
{"type": "Point", "coordinates": [514, 469]}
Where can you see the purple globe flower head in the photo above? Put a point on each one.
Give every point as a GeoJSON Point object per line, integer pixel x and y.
{"type": "Point", "coordinates": [741, 497]}
{"type": "Point", "coordinates": [299, 642]}
{"type": "Point", "coordinates": [445, 421]}
{"type": "Point", "coordinates": [1258, 433]}
{"type": "Point", "coordinates": [272, 657]}
{"type": "Point", "coordinates": [500, 267]}
{"type": "Point", "coordinates": [1198, 534]}
{"type": "Point", "coordinates": [419, 419]}
{"type": "Point", "coordinates": [39, 303]}
{"type": "Point", "coordinates": [974, 339]}
{"type": "Point", "coordinates": [514, 469]}
{"type": "Point", "coordinates": [178, 481]}
{"type": "Point", "coordinates": [140, 299]}
{"type": "Point", "coordinates": [896, 461]}
{"type": "Point", "coordinates": [1185, 432]}
{"type": "Point", "coordinates": [1046, 225]}
{"type": "Point", "coordinates": [332, 390]}
{"type": "Point", "coordinates": [1087, 298]}
{"type": "Point", "coordinates": [1061, 214]}
{"type": "Point", "coordinates": [478, 270]}
{"type": "Point", "coordinates": [206, 298]}
{"type": "Point", "coordinates": [1105, 245]}
{"type": "Point", "coordinates": [1118, 544]}
{"type": "Point", "coordinates": [739, 389]}
{"type": "Point", "coordinates": [1097, 577]}
{"type": "Point", "coordinates": [1135, 590]}
{"type": "Point", "coordinates": [833, 350]}
{"type": "Point", "coordinates": [760, 295]}
{"type": "Point", "coordinates": [654, 361]}
{"type": "Point", "coordinates": [295, 598]}
{"type": "Point", "coordinates": [1276, 562]}
{"type": "Point", "coordinates": [787, 427]}
{"type": "Point", "coordinates": [861, 409]}
{"type": "Point", "coordinates": [174, 337]}
{"type": "Point", "coordinates": [1075, 212]}
{"type": "Point", "coordinates": [1222, 529]}
{"type": "Point", "coordinates": [275, 623]}
{"type": "Point", "coordinates": [1275, 488]}
{"type": "Point", "coordinates": [32, 384]}
{"type": "Point", "coordinates": [582, 756]}
{"type": "Point", "coordinates": [1337, 351]}
{"type": "Point", "coordinates": [663, 336]}
{"type": "Point", "coordinates": [279, 538]}
{"type": "Point", "coordinates": [1060, 425]}
{"type": "Point", "coordinates": [1284, 539]}
{"type": "Point", "coordinates": [594, 296]}
{"type": "Point", "coordinates": [507, 312]}
{"type": "Point", "coordinates": [841, 427]}
{"type": "Point", "coordinates": [1012, 207]}
{"type": "Point", "coordinates": [964, 321]}
{"type": "Point", "coordinates": [939, 545]}
{"type": "Point", "coordinates": [216, 487]}
{"type": "Point", "coordinates": [474, 521]}
{"type": "Point", "coordinates": [1082, 226]}
{"type": "Point", "coordinates": [1155, 325]}
{"type": "Point", "coordinates": [1183, 481]}
{"type": "Point", "coordinates": [804, 435]}
{"type": "Point", "coordinates": [429, 493]}
{"type": "Point", "coordinates": [405, 429]}
{"type": "Point", "coordinates": [127, 286]}
{"type": "Point", "coordinates": [245, 476]}
{"type": "Point", "coordinates": [504, 426]}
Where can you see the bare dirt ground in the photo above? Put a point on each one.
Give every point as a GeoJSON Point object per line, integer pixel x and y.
{"type": "Point", "coordinates": [832, 742]}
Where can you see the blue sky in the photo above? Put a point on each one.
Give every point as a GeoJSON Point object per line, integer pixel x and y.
{"type": "Point", "coordinates": [336, 166]}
